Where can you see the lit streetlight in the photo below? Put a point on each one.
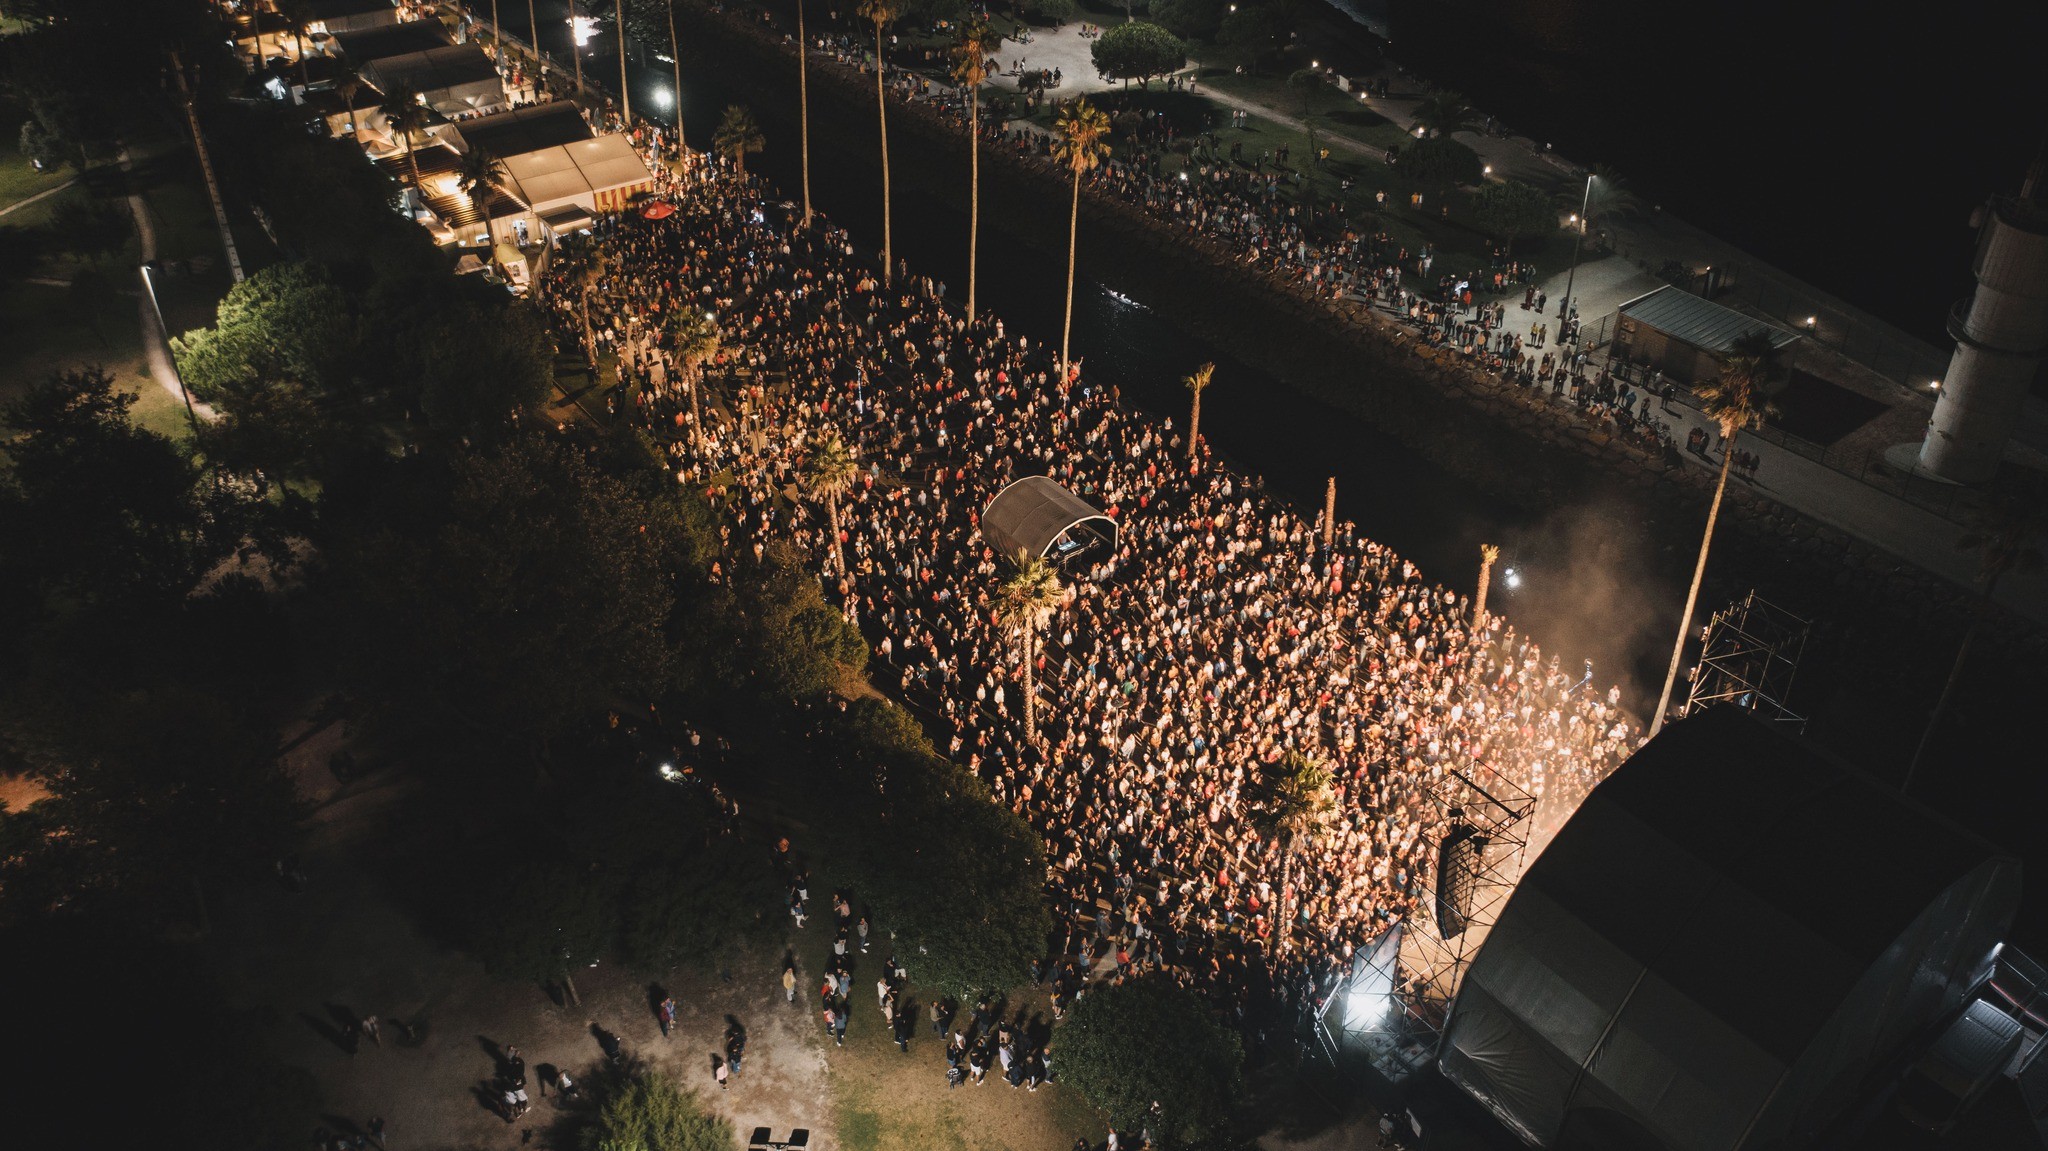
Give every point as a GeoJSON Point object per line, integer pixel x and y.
{"type": "Point", "coordinates": [191, 416]}
{"type": "Point", "coordinates": [1564, 307]}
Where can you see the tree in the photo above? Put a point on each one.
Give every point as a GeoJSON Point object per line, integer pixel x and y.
{"type": "Point", "coordinates": [1511, 209]}
{"type": "Point", "coordinates": [2006, 538]}
{"type": "Point", "coordinates": [1197, 383]}
{"type": "Point", "coordinates": [1299, 808]}
{"type": "Point", "coordinates": [405, 112]}
{"type": "Point", "coordinates": [696, 344]}
{"type": "Point", "coordinates": [1128, 1047]}
{"type": "Point", "coordinates": [1606, 197]}
{"type": "Point", "coordinates": [648, 1112]}
{"type": "Point", "coordinates": [1308, 86]}
{"type": "Point", "coordinates": [41, 145]}
{"type": "Point", "coordinates": [1057, 11]}
{"type": "Point", "coordinates": [1439, 163]}
{"type": "Point", "coordinates": [463, 353]}
{"type": "Point", "coordinates": [793, 645]}
{"type": "Point", "coordinates": [1734, 400]}
{"type": "Point", "coordinates": [1025, 601]}
{"type": "Point", "coordinates": [1256, 29]}
{"type": "Point", "coordinates": [803, 98]}
{"type": "Point", "coordinates": [1083, 145]}
{"type": "Point", "coordinates": [738, 134]}
{"type": "Point", "coordinates": [883, 13]}
{"type": "Point", "coordinates": [971, 54]}
{"type": "Point", "coordinates": [1444, 113]}
{"type": "Point", "coordinates": [1190, 19]}
{"type": "Point", "coordinates": [1137, 51]}
{"type": "Point", "coordinates": [522, 593]}
{"type": "Point", "coordinates": [477, 174]}
{"type": "Point", "coordinates": [288, 322]}
{"type": "Point", "coordinates": [828, 474]}
{"type": "Point", "coordinates": [349, 83]}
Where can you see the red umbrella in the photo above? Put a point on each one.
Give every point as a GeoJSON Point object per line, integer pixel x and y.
{"type": "Point", "coordinates": [658, 210]}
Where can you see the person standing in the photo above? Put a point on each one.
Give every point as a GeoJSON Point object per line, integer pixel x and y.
{"type": "Point", "coordinates": [719, 1071]}
{"type": "Point", "coordinates": [370, 1029]}
{"type": "Point", "coordinates": [667, 1013]}
{"type": "Point", "coordinates": [789, 984]}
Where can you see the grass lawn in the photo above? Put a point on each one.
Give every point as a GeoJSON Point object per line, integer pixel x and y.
{"type": "Point", "coordinates": [18, 178]}
{"type": "Point", "coordinates": [53, 332]}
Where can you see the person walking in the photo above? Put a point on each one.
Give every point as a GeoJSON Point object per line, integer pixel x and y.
{"type": "Point", "coordinates": [789, 984]}
{"type": "Point", "coordinates": [719, 1071]}
{"type": "Point", "coordinates": [667, 1014]}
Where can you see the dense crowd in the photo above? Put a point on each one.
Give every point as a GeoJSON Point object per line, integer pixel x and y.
{"type": "Point", "coordinates": [1216, 635]}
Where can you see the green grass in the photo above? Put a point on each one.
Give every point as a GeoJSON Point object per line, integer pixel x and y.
{"type": "Point", "coordinates": [50, 335]}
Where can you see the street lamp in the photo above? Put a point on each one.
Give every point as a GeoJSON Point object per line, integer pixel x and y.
{"type": "Point", "coordinates": [149, 286]}
{"type": "Point", "coordinates": [1564, 307]}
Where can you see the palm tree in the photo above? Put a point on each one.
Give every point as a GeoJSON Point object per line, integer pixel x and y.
{"type": "Point", "coordinates": [1025, 601]}
{"type": "Point", "coordinates": [696, 345]}
{"type": "Point", "coordinates": [1445, 113]}
{"type": "Point", "coordinates": [1196, 385]}
{"type": "Point", "coordinates": [675, 54]}
{"type": "Point", "coordinates": [803, 99]}
{"type": "Point", "coordinates": [1488, 553]}
{"type": "Point", "coordinates": [828, 474]}
{"type": "Point", "coordinates": [738, 134]}
{"type": "Point", "coordinates": [349, 83]}
{"type": "Point", "coordinates": [883, 13]}
{"type": "Point", "coordinates": [1734, 400]}
{"type": "Point", "coordinates": [625, 86]}
{"type": "Point", "coordinates": [1606, 195]}
{"type": "Point", "coordinates": [1300, 807]}
{"type": "Point", "coordinates": [477, 175]}
{"type": "Point", "coordinates": [978, 42]}
{"type": "Point", "coordinates": [533, 42]}
{"type": "Point", "coordinates": [405, 114]}
{"type": "Point", "coordinates": [584, 263]}
{"type": "Point", "coordinates": [2006, 538]}
{"type": "Point", "coordinates": [298, 13]}
{"type": "Point", "coordinates": [1083, 144]}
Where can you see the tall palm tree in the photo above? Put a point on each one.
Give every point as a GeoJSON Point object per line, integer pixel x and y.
{"type": "Point", "coordinates": [738, 134]}
{"type": "Point", "coordinates": [478, 174]}
{"type": "Point", "coordinates": [696, 345]}
{"type": "Point", "coordinates": [883, 13]}
{"type": "Point", "coordinates": [978, 42]}
{"type": "Point", "coordinates": [1488, 553]}
{"type": "Point", "coordinates": [1299, 808]}
{"type": "Point", "coordinates": [405, 114]}
{"type": "Point", "coordinates": [2006, 539]}
{"type": "Point", "coordinates": [533, 42]}
{"type": "Point", "coordinates": [1196, 385]}
{"type": "Point", "coordinates": [1734, 400]}
{"type": "Point", "coordinates": [828, 474]}
{"type": "Point", "coordinates": [803, 100]}
{"type": "Point", "coordinates": [349, 83]}
{"type": "Point", "coordinates": [1025, 601]}
{"type": "Point", "coordinates": [675, 54]}
{"type": "Point", "coordinates": [299, 14]}
{"type": "Point", "coordinates": [625, 87]}
{"type": "Point", "coordinates": [1445, 113]}
{"type": "Point", "coordinates": [1083, 145]}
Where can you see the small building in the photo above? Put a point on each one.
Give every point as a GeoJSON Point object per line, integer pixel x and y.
{"type": "Point", "coordinates": [1035, 516]}
{"type": "Point", "coordinates": [455, 79]}
{"type": "Point", "coordinates": [1683, 335]}
{"type": "Point", "coordinates": [333, 17]}
{"type": "Point", "coordinates": [387, 40]}
{"type": "Point", "coordinates": [516, 132]}
{"type": "Point", "coordinates": [565, 187]}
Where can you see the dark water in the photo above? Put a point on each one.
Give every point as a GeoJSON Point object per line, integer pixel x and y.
{"type": "Point", "coordinates": [1845, 142]}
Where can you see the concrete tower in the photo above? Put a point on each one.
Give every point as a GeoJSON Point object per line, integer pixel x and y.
{"type": "Point", "coordinates": [2001, 334]}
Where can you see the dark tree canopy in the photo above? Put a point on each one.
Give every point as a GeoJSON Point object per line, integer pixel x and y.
{"type": "Point", "coordinates": [1137, 51]}
{"type": "Point", "coordinates": [1512, 209]}
{"type": "Point", "coordinates": [1438, 163]}
{"type": "Point", "coordinates": [1126, 1047]}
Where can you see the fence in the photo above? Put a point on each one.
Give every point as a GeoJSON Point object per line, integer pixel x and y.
{"type": "Point", "coordinates": [1884, 350]}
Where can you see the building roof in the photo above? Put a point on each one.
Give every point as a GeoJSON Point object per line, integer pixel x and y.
{"type": "Point", "coordinates": [317, 10]}
{"type": "Point", "coordinates": [412, 36]}
{"type": "Point", "coordinates": [1727, 937]}
{"type": "Point", "coordinates": [549, 176]}
{"type": "Point", "coordinates": [1699, 321]}
{"type": "Point", "coordinates": [523, 130]}
{"type": "Point", "coordinates": [434, 70]}
{"type": "Point", "coordinates": [1031, 514]}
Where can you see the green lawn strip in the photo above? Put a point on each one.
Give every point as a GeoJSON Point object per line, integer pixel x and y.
{"type": "Point", "coordinates": [51, 335]}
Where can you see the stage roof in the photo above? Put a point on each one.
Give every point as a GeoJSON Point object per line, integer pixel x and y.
{"type": "Point", "coordinates": [1032, 513]}
{"type": "Point", "coordinates": [523, 130]}
{"type": "Point", "coordinates": [1723, 941]}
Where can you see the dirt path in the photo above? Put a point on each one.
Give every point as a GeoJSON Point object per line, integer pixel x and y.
{"type": "Point", "coordinates": [23, 203]}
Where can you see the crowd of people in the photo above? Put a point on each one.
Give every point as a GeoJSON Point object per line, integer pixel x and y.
{"type": "Point", "coordinates": [1216, 635]}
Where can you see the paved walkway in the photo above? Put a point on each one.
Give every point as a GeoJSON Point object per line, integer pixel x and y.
{"type": "Point", "coordinates": [155, 341]}
{"type": "Point", "coordinates": [23, 203]}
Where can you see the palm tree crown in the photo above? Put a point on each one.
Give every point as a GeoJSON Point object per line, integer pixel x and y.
{"type": "Point", "coordinates": [1735, 399]}
{"type": "Point", "coordinates": [1445, 113]}
{"type": "Point", "coordinates": [738, 134]}
{"type": "Point", "coordinates": [1024, 601]}
{"type": "Point", "coordinates": [1197, 383]}
{"type": "Point", "coordinates": [828, 474]}
{"type": "Point", "coordinates": [971, 53]}
{"type": "Point", "coordinates": [406, 113]}
{"type": "Point", "coordinates": [478, 174]}
{"type": "Point", "coordinates": [1084, 137]}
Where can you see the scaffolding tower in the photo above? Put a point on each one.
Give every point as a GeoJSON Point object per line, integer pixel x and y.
{"type": "Point", "coordinates": [1751, 654]}
{"type": "Point", "coordinates": [1389, 1009]}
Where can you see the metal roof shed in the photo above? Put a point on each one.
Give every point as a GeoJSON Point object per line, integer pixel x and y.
{"type": "Point", "coordinates": [1685, 335]}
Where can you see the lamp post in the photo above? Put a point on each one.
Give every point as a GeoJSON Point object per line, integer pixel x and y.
{"type": "Point", "coordinates": [1564, 307]}
{"type": "Point", "coordinates": [149, 287]}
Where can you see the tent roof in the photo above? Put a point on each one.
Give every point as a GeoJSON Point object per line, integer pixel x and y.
{"type": "Point", "coordinates": [1698, 924]}
{"type": "Point", "coordinates": [1031, 514]}
{"type": "Point", "coordinates": [432, 70]}
{"type": "Point", "coordinates": [369, 44]}
{"type": "Point", "coordinates": [331, 9]}
{"type": "Point", "coordinates": [527, 129]}
{"type": "Point", "coordinates": [548, 176]}
{"type": "Point", "coordinates": [1699, 321]}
